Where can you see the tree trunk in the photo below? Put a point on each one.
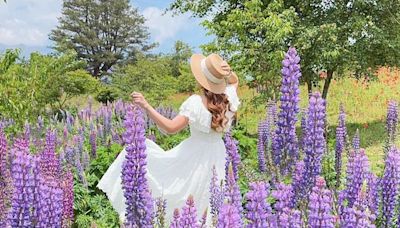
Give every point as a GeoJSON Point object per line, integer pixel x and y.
{"type": "Point", "coordinates": [329, 76]}
{"type": "Point", "coordinates": [96, 71]}
{"type": "Point", "coordinates": [309, 86]}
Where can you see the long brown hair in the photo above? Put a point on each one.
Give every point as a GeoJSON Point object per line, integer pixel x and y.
{"type": "Point", "coordinates": [218, 105]}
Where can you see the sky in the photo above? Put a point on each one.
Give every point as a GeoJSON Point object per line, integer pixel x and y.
{"type": "Point", "coordinates": [26, 24]}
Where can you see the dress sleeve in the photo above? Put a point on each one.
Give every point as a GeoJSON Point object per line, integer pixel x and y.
{"type": "Point", "coordinates": [232, 97]}
{"type": "Point", "coordinates": [188, 109]}
{"type": "Point", "coordinates": [197, 114]}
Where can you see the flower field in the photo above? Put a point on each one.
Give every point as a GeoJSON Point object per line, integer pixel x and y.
{"type": "Point", "coordinates": [294, 173]}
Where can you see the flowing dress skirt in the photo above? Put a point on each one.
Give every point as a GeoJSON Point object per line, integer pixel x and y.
{"type": "Point", "coordinates": [174, 175]}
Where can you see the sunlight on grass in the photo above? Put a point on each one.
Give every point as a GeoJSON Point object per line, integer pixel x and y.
{"type": "Point", "coordinates": [365, 104]}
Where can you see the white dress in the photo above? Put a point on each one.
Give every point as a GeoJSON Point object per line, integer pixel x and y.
{"type": "Point", "coordinates": [184, 170]}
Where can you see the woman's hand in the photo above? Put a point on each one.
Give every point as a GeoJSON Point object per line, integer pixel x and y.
{"type": "Point", "coordinates": [230, 78]}
{"type": "Point", "coordinates": [169, 126]}
{"type": "Point", "coordinates": [139, 99]}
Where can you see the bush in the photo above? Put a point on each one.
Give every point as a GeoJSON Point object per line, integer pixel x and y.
{"type": "Point", "coordinates": [186, 81]}
{"type": "Point", "coordinates": [28, 87]}
{"type": "Point", "coordinates": [107, 94]}
{"type": "Point", "coordinates": [151, 76]}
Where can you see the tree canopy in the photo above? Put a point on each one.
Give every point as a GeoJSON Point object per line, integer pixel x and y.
{"type": "Point", "coordinates": [103, 33]}
{"type": "Point", "coordinates": [331, 36]}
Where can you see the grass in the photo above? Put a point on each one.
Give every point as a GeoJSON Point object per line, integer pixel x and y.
{"type": "Point", "coordinates": [365, 104]}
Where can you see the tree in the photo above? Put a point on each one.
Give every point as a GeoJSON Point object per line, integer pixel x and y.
{"type": "Point", "coordinates": [149, 75]}
{"type": "Point", "coordinates": [181, 54]}
{"type": "Point", "coordinates": [331, 36]}
{"type": "Point", "coordinates": [102, 32]}
{"type": "Point", "coordinates": [27, 88]}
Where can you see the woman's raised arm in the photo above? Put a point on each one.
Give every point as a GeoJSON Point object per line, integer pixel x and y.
{"type": "Point", "coordinates": [169, 126]}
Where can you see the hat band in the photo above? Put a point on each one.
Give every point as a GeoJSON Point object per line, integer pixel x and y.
{"type": "Point", "coordinates": [208, 74]}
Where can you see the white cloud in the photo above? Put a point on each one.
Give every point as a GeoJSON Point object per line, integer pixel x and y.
{"type": "Point", "coordinates": [164, 26]}
{"type": "Point", "coordinates": [28, 22]}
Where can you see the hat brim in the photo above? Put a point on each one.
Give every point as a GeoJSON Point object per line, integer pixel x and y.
{"type": "Point", "coordinates": [195, 65]}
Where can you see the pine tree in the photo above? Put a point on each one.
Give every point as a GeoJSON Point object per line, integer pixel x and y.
{"type": "Point", "coordinates": [102, 32]}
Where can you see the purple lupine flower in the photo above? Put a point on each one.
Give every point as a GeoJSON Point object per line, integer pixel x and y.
{"type": "Point", "coordinates": [217, 195]}
{"type": "Point", "coordinates": [49, 162]}
{"type": "Point", "coordinates": [257, 206]}
{"type": "Point", "coordinates": [119, 108]}
{"type": "Point", "coordinates": [265, 137]}
{"type": "Point", "coordinates": [70, 121]}
{"type": "Point", "coordinates": [189, 214]}
{"type": "Point", "coordinates": [50, 203]}
{"type": "Point", "coordinates": [167, 112]}
{"type": "Point", "coordinates": [67, 185]}
{"type": "Point", "coordinates": [229, 216]}
{"type": "Point", "coordinates": [116, 138]}
{"type": "Point", "coordinates": [232, 155]}
{"type": "Point", "coordinates": [289, 218]}
{"type": "Point", "coordinates": [348, 217]}
{"type": "Point", "coordinates": [358, 215]}
{"type": "Point", "coordinates": [23, 201]}
{"type": "Point", "coordinates": [341, 134]}
{"type": "Point", "coordinates": [5, 180]}
{"type": "Point", "coordinates": [203, 220]}
{"type": "Point", "coordinates": [139, 202]}
{"type": "Point", "coordinates": [263, 129]}
{"type": "Point", "coordinates": [5, 193]}
{"type": "Point", "coordinates": [283, 195]}
{"type": "Point", "coordinates": [80, 171]}
{"type": "Point", "coordinates": [363, 214]}
{"type": "Point", "coordinates": [297, 181]}
{"type": "Point", "coordinates": [232, 192]}
{"type": "Point", "coordinates": [3, 150]}
{"type": "Point", "coordinates": [78, 142]}
{"type": "Point", "coordinates": [100, 132]}
{"type": "Point", "coordinates": [161, 206]}
{"type": "Point", "coordinates": [70, 155]}
{"type": "Point", "coordinates": [303, 125]}
{"type": "Point", "coordinates": [175, 219]}
{"type": "Point", "coordinates": [357, 172]}
{"type": "Point", "coordinates": [93, 143]}
{"type": "Point", "coordinates": [314, 144]}
{"type": "Point", "coordinates": [373, 194]}
{"type": "Point", "coordinates": [90, 106]}
{"type": "Point", "coordinates": [272, 111]}
{"type": "Point", "coordinates": [356, 140]}
{"type": "Point", "coordinates": [392, 120]}
{"type": "Point", "coordinates": [285, 147]}
{"type": "Point", "coordinates": [320, 205]}
{"type": "Point", "coordinates": [27, 132]}
{"type": "Point", "coordinates": [85, 160]}
{"type": "Point", "coordinates": [390, 186]}
{"type": "Point", "coordinates": [104, 116]}
{"type": "Point", "coordinates": [285, 215]}
{"type": "Point", "coordinates": [65, 134]}
{"type": "Point", "coordinates": [152, 137]}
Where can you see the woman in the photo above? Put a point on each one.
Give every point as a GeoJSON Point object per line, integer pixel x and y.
{"type": "Point", "coordinates": [186, 169]}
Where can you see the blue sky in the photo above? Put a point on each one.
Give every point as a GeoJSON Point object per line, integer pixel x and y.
{"type": "Point", "coordinates": [26, 24]}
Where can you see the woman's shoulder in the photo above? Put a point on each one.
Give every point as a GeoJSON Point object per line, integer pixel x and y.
{"type": "Point", "coordinates": [191, 100]}
{"type": "Point", "coordinates": [191, 103]}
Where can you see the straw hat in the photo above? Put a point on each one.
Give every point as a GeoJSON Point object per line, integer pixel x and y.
{"type": "Point", "coordinates": [209, 74]}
